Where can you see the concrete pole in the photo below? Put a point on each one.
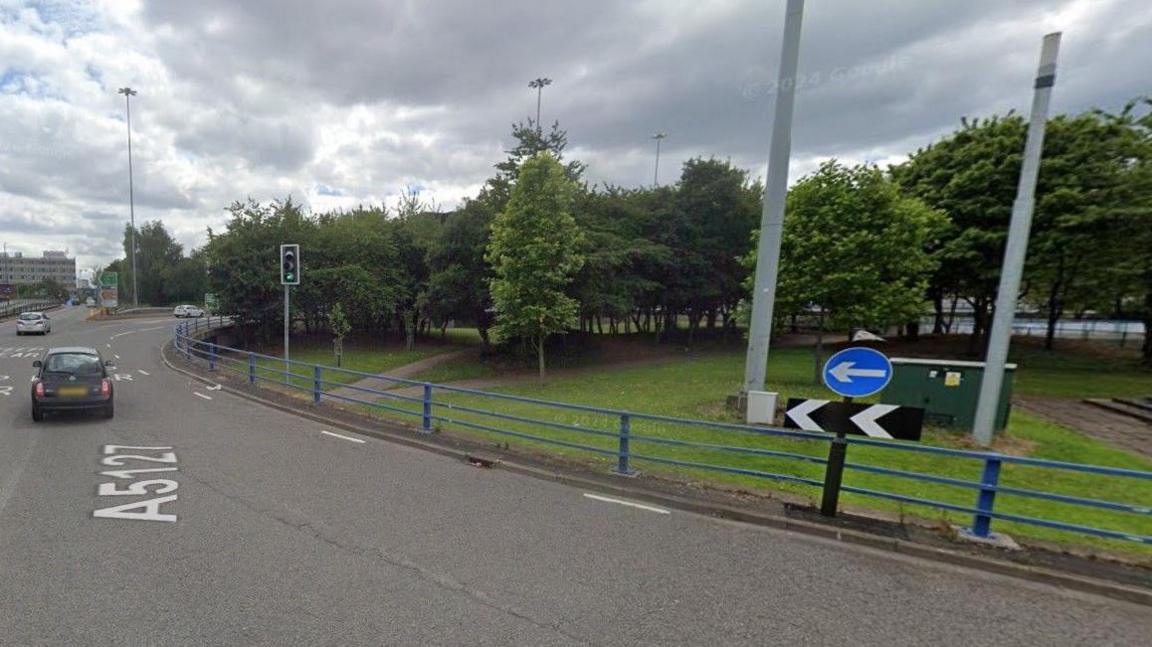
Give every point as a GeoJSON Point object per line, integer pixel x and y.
{"type": "Point", "coordinates": [1017, 246]}
{"type": "Point", "coordinates": [775, 192]}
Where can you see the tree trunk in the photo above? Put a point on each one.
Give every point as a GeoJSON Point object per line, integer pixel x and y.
{"type": "Point", "coordinates": [951, 315]}
{"type": "Point", "coordinates": [599, 324]}
{"type": "Point", "coordinates": [912, 331]}
{"type": "Point", "coordinates": [819, 347]}
{"type": "Point", "coordinates": [938, 312]}
{"type": "Point", "coordinates": [1146, 351]}
{"type": "Point", "coordinates": [540, 356]}
{"type": "Point", "coordinates": [979, 324]}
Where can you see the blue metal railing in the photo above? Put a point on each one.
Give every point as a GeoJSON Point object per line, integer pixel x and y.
{"type": "Point", "coordinates": [430, 405]}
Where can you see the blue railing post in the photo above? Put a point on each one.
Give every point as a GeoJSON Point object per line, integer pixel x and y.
{"type": "Point", "coordinates": [316, 382]}
{"type": "Point", "coordinates": [427, 418]}
{"type": "Point", "coordinates": [623, 453]}
{"type": "Point", "coordinates": [211, 357]}
{"type": "Point", "coordinates": [982, 523]}
{"type": "Point", "coordinates": [251, 368]}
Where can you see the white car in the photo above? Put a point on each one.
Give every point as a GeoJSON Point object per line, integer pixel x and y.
{"type": "Point", "coordinates": [33, 322]}
{"type": "Point", "coordinates": [187, 311]}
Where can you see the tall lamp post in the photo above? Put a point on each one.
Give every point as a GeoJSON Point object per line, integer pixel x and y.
{"type": "Point", "coordinates": [539, 85]}
{"type": "Point", "coordinates": [128, 94]}
{"type": "Point", "coordinates": [656, 171]}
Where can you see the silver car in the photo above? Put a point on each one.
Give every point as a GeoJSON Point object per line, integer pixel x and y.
{"type": "Point", "coordinates": [33, 322]}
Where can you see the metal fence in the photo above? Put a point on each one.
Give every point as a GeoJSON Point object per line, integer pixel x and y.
{"type": "Point", "coordinates": [13, 310]}
{"type": "Point", "coordinates": [1123, 333]}
{"type": "Point", "coordinates": [625, 438]}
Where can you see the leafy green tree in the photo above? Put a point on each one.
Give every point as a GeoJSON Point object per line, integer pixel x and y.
{"type": "Point", "coordinates": [971, 175]}
{"type": "Point", "coordinates": [459, 275]}
{"type": "Point", "coordinates": [534, 257]}
{"type": "Point", "coordinates": [855, 247]}
{"type": "Point", "coordinates": [339, 326]}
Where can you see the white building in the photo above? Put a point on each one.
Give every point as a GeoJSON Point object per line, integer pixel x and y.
{"type": "Point", "coordinates": [17, 269]}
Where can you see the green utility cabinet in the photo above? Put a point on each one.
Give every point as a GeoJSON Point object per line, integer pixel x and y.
{"type": "Point", "coordinates": [947, 390]}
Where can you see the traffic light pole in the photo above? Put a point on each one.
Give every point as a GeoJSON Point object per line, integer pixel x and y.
{"type": "Point", "coordinates": [287, 324]}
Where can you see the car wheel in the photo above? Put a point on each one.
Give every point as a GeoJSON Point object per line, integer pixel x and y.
{"type": "Point", "coordinates": [37, 414]}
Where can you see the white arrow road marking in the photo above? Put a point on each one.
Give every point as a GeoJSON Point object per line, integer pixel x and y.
{"type": "Point", "coordinates": [122, 377]}
{"type": "Point", "coordinates": [142, 371]}
{"type": "Point", "coordinates": [215, 387]}
{"type": "Point", "coordinates": [5, 390]}
{"type": "Point", "coordinates": [866, 420]}
{"type": "Point", "coordinates": [630, 504]}
{"type": "Point", "coordinates": [329, 433]}
{"type": "Point", "coordinates": [201, 395]}
{"type": "Point", "coordinates": [121, 334]}
{"type": "Point", "coordinates": [799, 414]}
{"type": "Point", "coordinates": [843, 372]}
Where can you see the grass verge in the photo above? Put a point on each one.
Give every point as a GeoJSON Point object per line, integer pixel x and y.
{"type": "Point", "coordinates": [695, 386]}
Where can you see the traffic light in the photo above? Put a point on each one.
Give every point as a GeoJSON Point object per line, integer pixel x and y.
{"type": "Point", "coordinates": [290, 265]}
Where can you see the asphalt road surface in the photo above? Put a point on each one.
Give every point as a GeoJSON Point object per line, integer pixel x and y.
{"type": "Point", "coordinates": [269, 531]}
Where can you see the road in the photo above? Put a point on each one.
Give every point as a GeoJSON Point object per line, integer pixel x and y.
{"type": "Point", "coordinates": [285, 535]}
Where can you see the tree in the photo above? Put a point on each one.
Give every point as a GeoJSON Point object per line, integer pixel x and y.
{"type": "Point", "coordinates": [459, 275]}
{"type": "Point", "coordinates": [534, 257]}
{"type": "Point", "coordinates": [855, 247]}
{"type": "Point", "coordinates": [338, 323]}
{"type": "Point", "coordinates": [971, 175]}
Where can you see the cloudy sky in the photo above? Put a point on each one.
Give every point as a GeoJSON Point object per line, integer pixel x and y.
{"type": "Point", "coordinates": [347, 102]}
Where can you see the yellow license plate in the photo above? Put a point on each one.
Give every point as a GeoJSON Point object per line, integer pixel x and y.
{"type": "Point", "coordinates": [73, 391]}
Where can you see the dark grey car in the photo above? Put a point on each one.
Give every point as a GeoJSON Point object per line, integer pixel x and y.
{"type": "Point", "coordinates": [72, 378]}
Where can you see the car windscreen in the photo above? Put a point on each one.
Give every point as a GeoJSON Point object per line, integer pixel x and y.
{"type": "Point", "coordinates": [30, 316]}
{"type": "Point", "coordinates": [75, 364]}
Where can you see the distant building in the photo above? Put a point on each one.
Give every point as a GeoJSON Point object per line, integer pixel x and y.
{"type": "Point", "coordinates": [17, 269]}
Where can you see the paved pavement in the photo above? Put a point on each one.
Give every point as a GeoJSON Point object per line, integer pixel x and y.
{"type": "Point", "coordinates": [285, 535]}
{"type": "Point", "coordinates": [1116, 429]}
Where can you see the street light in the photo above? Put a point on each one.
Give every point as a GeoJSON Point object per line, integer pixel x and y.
{"type": "Point", "coordinates": [128, 93]}
{"type": "Point", "coordinates": [656, 172]}
{"type": "Point", "coordinates": [539, 85]}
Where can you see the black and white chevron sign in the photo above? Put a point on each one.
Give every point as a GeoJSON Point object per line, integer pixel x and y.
{"type": "Point", "coordinates": [875, 420]}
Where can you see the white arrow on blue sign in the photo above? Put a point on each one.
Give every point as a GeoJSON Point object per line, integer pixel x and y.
{"type": "Point", "coordinates": [857, 372]}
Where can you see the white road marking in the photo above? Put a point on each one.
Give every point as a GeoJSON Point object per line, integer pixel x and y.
{"type": "Point", "coordinates": [3, 378]}
{"type": "Point", "coordinates": [630, 504]}
{"type": "Point", "coordinates": [201, 395]}
{"type": "Point", "coordinates": [5, 390]}
{"type": "Point", "coordinates": [108, 345]}
{"type": "Point", "coordinates": [215, 387]}
{"type": "Point", "coordinates": [116, 356]}
{"type": "Point", "coordinates": [121, 334]}
{"type": "Point", "coordinates": [149, 510]}
{"type": "Point", "coordinates": [329, 433]}
{"type": "Point", "coordinates": [142, 371]}
{"type": "Point", "coordinates": [122, 377]}
{"type": "Point", "coordinates": [151, 329]}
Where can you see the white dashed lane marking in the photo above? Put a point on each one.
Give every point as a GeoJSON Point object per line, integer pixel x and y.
{"type": "Point", "coordinates": [142, 372]}
{"type": "Point", "coordinates": [329, 433]}
{"type": "Point", "coordinates": [201, 395]}
{"type": "Point", "coordinates": [630, 504]}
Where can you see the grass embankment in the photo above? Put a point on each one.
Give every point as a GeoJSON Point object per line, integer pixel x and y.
{"type": "Point", "coordinates": [362, 357]}
{"type": "Point", "coordinates": [695, 386]}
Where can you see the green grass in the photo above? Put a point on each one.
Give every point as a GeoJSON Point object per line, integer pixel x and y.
{"type": "Point", "coordinates": [456, 371]}
{"type": "Point", "coordinates": [1065, 375]}
{"type": "Point", "coordinates": [694, 386]}
{"type": "Point", "coordinates": [365, 359]}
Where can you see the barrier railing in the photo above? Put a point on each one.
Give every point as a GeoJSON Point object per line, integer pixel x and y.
{"type": "Point", "coordinates": [10, 310]}
{"type": "Point", "coordinates": [613, 434]}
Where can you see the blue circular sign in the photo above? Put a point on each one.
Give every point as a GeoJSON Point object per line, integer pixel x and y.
{"type": "Point", "coordinates": [857, 372]}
